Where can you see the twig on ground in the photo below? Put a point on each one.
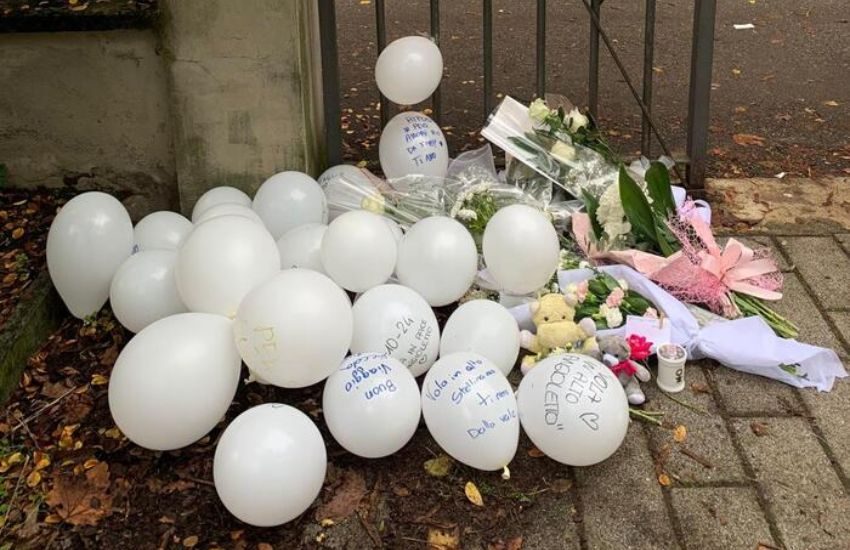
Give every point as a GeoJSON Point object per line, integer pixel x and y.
{"type": "Point", "coordinates": [697, 457]}
{"type": "Point", "coordinates": [43, 408]}
{"type": "Point", "coordinates": [370, 530]}
{"type": "Point", "coordinates": [14, 496]}
{"type": "Point", "coordinates": [686, 405]}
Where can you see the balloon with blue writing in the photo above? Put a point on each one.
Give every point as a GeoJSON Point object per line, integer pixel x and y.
{"type": "Point", "coordinates": [470, 410]}
{"type": "Point", "coordinates": [371, 405]}
{"type": "Point", "coordinates": [396, 320]}
{"type": "Point", "coordinates": [412, 143]}
{"type": "Point", "coordinates": [289, 199]}
{"type": "Point", "coordinates": [484, 327]}
{"type": "Point", "coordinates": [409, 69]}
{"type": "Point", "coordinates": [269, 465]}
{"type": "Point", "coordinates": [294, 329]}
{"type": "Point", "coordinates": [573, 409]}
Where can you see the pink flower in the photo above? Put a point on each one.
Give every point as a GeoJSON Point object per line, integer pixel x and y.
{"type": "Point", "coordinates": [581, 291]}
{"type": "Point", "coordinates": [615, 298]}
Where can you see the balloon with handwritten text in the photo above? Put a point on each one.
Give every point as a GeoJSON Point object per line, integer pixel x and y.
{"type": "Point", "coordinates": [573, 409]}
{"type": "Point", "coordinates": [470, 410]}
{"type": "Point", "coordinates": [371, 405]}
{"type": "Point", "coordinates": [412, 143]}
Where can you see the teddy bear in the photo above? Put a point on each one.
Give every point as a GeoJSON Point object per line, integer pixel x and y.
{"type": "Point", "coordinates": [554, 317]}
{"type": "Point", "coordinates": [616, 352]}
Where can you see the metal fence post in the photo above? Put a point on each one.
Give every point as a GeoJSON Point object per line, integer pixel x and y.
{"type": "Point", "coordinates": [593, 72]}
{"type": "Point", "coordinates": [436, 101]}
{"type": "Point", "coordinates": [648, 59]}
{"type": "Point", "coordinates": [487, 12]}
{"type": "Point", "coordinates": [381, 30]}
{"type": "Point", "coordinates": [330, 81]}
{"type": "Point", "coordinates": [541, 48]}
{"type": "Point", "coordinates": [702, 54]}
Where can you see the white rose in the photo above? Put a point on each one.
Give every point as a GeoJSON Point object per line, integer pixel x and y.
{"type": "Point", "coordinates": [373, 203]}
{"type": "Point", "coordinates": [613, 316]}
{"type": "Point", "coordinates": [538, 110]}
{"type": "Point", "coordinates": [623, 284]}
{"type": "Point", "coordinates": [563, 152]}
{"type": "Point", "coordinates": [577, 120]}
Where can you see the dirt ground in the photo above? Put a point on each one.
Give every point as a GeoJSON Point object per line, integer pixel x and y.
{"type": "Point", "coordinates": [780, 99]}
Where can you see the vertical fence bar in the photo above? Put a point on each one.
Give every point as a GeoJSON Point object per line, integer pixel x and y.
{"type": "Point", "coordinates": [381, 28]}
{"type": "Point", "coordinates": [648, 71]}
{"type": "Point", "coordinates": [436, 100]}
{"type": "Point", "coordinates": [488, 57]}
{"type": "Point", "coordinates": [330, 81]}
{"type": "Point", "coordinates": [702, 55]}
{"type": "Point", "coordinates": [593, 72]}
{"type": "Point", "coordinates": [541, 48]}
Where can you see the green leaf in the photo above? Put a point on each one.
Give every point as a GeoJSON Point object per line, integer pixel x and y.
{"type": "Point", "coordinates": [658, 185]}
{"type": "Point", "coordinates": [591, 204]}
{"type": "Point", "coordinates": [637, 208]}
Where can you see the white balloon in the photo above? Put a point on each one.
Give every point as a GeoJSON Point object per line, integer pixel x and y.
{"type": "Point", "coordinates": [219, 195]}
{"type": "Point", "coordinates": [346, 187]}
{"type": "Point", "coordinates": [89, 238]}
{"type": "Point", "coordinates": [161, 230]}
{"type": "Point", "coordinates": [573, 409]}
{"type": "Point", "coordinates": [396, 320]}
{"type": "Point", "coordinates": [269, 465]}
{"type": "Point", "coordinates": [409, 70]}
{"type": "Point", "coordinates": [302, 247]}
{"type": "Point", "coordinates": [395, 228]}
{"type": "Point", "coordinates": [174, 380]}
{"type": "Point", "coordinates": [470, 410]}
{"type": "Point", "coordinates": [144, 289]}
{"type": "Point", "coordinates": [521, 249]}
{"type": "Point", "coordinates": [295, 329]}
{"type": "Point", "coordinates": [483, 327]}
{"type": "Point", "coordinates": [412, 143]}
{"type": "Point", "coordinates": [289, 199]}
{"type": "Point", "coordinates": [359, 250]}
{"type": "Point", "coordinates": [371, 405]}
{"type": "Point", "coordinates": [221, 261]}
{"type": "Point", "coordinates": [228, 209]}
{"type": "Point", "coordinates": [437, 258]}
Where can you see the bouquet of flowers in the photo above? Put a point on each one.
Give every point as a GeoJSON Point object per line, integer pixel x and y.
{"type": "Point", "coordinates": [608, 301]}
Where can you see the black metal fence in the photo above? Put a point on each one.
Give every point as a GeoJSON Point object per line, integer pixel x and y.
{"type": "Point", "coordinates": [702, 52]}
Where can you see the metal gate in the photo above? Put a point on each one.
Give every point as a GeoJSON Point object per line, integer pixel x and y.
{"type": "Point", "coordinates": [702, 52]}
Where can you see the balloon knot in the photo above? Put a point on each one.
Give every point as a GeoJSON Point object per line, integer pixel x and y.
{"type": "Point", "coordinates": [506, 473]}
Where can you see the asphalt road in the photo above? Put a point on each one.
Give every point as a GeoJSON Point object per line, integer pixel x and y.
{"type": "Point", "coordinates": [787, 81]}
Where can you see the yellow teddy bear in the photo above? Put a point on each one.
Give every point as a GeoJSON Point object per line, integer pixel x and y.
{"type": "Point", "coordinates": [554, 317]}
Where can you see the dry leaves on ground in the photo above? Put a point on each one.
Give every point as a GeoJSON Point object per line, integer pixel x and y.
{"type": "Point", "coordinates": [440, 466]}
{"type": "Point", "coordinates": [759, 428]}
{"type": "Point", "coordinates": [439, 539]}
{"type": "Point", "coordinates": [748, 139]}
{"type": "Point", "coordinates": [345, 499]}
{"type": "Point", "coordinates": [82, 501]}
{"type": "Point", "coordinates": [472, 493]}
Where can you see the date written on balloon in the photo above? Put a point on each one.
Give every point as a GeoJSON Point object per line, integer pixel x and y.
{"type": "Point", "coordinates": [576, 386]}
{"type": "Point", "coordinates": [415, 353]}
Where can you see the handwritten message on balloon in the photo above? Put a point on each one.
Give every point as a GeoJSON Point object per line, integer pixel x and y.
{"type": "Point", "coordinates": [368, 375]}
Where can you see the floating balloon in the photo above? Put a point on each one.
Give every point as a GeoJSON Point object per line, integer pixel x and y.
{"type": "Point", "coordinates": [470, 410]}
{"type": "Point", "coordinates": [89, 239]}
{"type": "Point", "coordinates": [219, 195]}
{"type": "Point", "coordinates": [161, 230]}
{"type": "Point", "coordinates": [144, 289]}
{"type": "Point", "coordinates": [289, 199]}
{"type": "Point", "coordinates": [521, 249]}
{"type": "Point", "coordinates": [346, 187]}
{"type": "Point", "coordinates": [359, 250]}
{"type": "Point", "coordinates": [228, 209]}
{"type": "Point", "coordinates": [483, 327]}
{"type": "Point", "coordinates": [371, 405]}
{"type": "Point", "coordinates": [295, 329]}
{"type": "Point", "coordinates": [221, 261]}
{"type": "Point", "coordinates": [394, 319]}
{"type": "Point", "coordinates": [269, 465]}
{"type": "Point", "coordinates": [173, 382]}
{"type": "Point", "coordinates": [412, 143]}
{"type": "Point", "coordinates": [302, 247]}
{"type": "Point", "coordinates": [437, 258]}
{"type": "Point", "coordinates": [573, 409]}
{"type": "Point", "coordinates": [409, 70]}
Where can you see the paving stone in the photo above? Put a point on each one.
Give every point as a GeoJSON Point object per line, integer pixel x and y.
{"type": "Point", "coordinates": [749, 395]}
{"type": "Point", "coordinates": [720, 518]}
{"type": "Point", "coordinates": [622, 500]}
{"type": "Point", "coordinates": [551, 524]}
{"type": "Point", "coordinates": [844, 239]}
{"type": "Point", "coordinates": [824, 266]}
{"type": "Point", "coordinates": [805, 495]}
{"type": "Point", "coordinates": [832, 414]}
{"type": "Point", "coordinates": [797, 306]}
{"type": "Point", "coordinates": [841, 319]}
{"type": "Point", "coordinates": [761, 241]}
{"type": "Point", "coordinates": [707, 437]}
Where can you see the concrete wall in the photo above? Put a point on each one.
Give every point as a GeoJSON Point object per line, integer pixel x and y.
{"type": "Point", "coordinates": [91, 108]}
{"type": "Point", "coordinates": [245, 90]}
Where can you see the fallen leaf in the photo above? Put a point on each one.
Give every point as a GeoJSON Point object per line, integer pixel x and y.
{"type": "Point", "coordinates": [18, 233]}
{"type": "Point", "coordinates": [443, 540]}
{"type": "Point", "coordinates": [440, 466]}
{"type": "Point", "coordinates": [560, 485]}
{"type": "Point", "coordinates": [740, 109]}
{"type": "Point", "coordinates": [90, 463]}
{"type": "Point", "coordinates": [113, 433]}
{"type": "Point", "coordinates": [401, 491]}
{"type": "Point", "coordinates": [748, 139]}
{"type": "Point", "coordinates": [345, 499]}
{"type": "Point", "coordinates": [830, 103]}
{"type": "Point", "coordinates": [265, 546]}
{"type": "Point", "coordinates": [82, 501]}
{"type": "Point", "coordinates": [736, 72]}
{"type": "Point", "coordinates": [472, 493]}
{"type": "Point", "coordinates": [327, 522]}
{"type": "Point", "coordinates": [99, 380]}
{"type": "Point", "coordinates": [190, 542]}
{"type": "Point", "coordinates": [664, 480]}
{"type": "Point", "coordinates": [33, 479]}
{"type": "Point", "coordinates": [758, 428]}
{"type": "Point", "coordinates": [700, 387]}
{"type": "Point", "coordinates": [534, 452]}
{"type": "Point", "coordinates": [680, 434]}
{"type": "Point", "coordinates": [514, 543]}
